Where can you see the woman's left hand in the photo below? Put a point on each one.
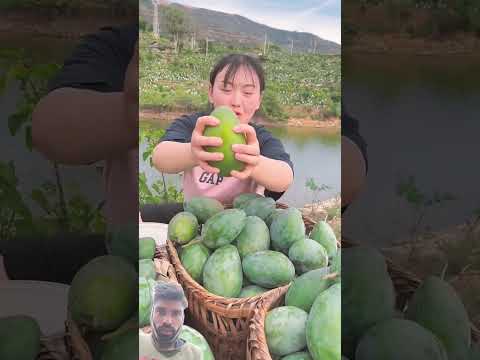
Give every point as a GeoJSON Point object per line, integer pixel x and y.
{"type": "Point", "coordinates": [248, 154]}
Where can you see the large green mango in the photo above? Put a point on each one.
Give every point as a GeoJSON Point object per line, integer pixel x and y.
{"type": "Point", "coordinates": [398, 339]}
{"type": "Point", "coordinates": [103, 294]}
{"type": "Point", "coordinates": [203, 207]}
{"type": "Point", "coordinates": [122, 347]}
{"type": "Point", "coordinates": [192, 336]}
{"type": "Point", "coordinates": [254, 237]}
{"type": "Point", "coordinates": [222, 274]}
{"type": "Point", "coordinates": [436, 306]}
{"type": "Point", "coordinates": [146, 248]}
{"type": "Point", "coordinates": [144, 302]}
{"type": "Point", "coordinates": [268, 269]}
{"type": "Point", "coordinates": [325, 236]}
{"type": "Point", "coordinates": [193, 258]}
{"type": "Point", "coordinates": [368, 295]}
{"type": "Point", "coordinates": [222, 228]}
{"type": "Point", "coordinates": [285, 330]}
{"type": "Point", "coordinates": [261, 207]}
{"type": "Point", "coordinates": [183, 227]}
{"type": "Point", "coordinates": [305, 289]}
{"type": "Point", "coordinates": [19, 338]}
{"type": "Point", "coordinates": [228, 120]}
{"type": "Point", "coordinates": [324, 325]}
{"type": "Point", "coordinates": [287, 228]}
{"type": "Point", "coordinates": [307, 255]}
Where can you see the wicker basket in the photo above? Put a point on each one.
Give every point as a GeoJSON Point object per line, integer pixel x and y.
{"type": "Point", "coordinates": [222, 321]}
{"type": "Point", "coordinates": [404, 282]}
{"type": "Point", "coordinates": [53, 348]}
{"type": "Point", "coordinates": [75, 335]}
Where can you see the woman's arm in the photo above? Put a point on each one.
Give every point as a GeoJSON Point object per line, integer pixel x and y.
{"type": "Point", "coordinates": [80, 126]}
{"type": "Point", "coordinates": [274, 175]}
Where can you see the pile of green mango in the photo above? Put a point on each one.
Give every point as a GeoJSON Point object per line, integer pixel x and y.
{"type": "Point", "coordinates": [248, 249]}
{"type": "Point", "coordinates": [434, 325]}
{"type": "Point", "coordinates": [254, 247]}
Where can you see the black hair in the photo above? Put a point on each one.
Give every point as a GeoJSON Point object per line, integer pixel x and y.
{"type": "Point", "coordinates": [169, 291]}
{"type": "Point", "coordinates": [234, 62]}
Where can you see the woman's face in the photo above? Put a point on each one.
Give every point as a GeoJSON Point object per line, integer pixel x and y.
{"type": "Point", "coordinates": [241, 94]}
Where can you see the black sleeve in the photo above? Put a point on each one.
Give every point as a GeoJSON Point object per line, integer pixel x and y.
{"type": "Point", "coordinates": [100, 60]}
{"type": "Point", "coordinates": [272, 148]}
{"type": "Point", "coordinates": [350, 129]}
{"type": "Point", "coordinates": [181, 129]}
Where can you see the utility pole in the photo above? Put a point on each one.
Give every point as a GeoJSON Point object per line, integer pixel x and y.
{"type": "Point", "coordinates": [291, 48]}
{"type": "Point", "coordinates": [206, 46]}
{"type": "Point", "coordinates": [156, 22]}
{"type": "Point", "coordinates": [265, 45]}
{"type": "Point", "coordinates": [315, 46]}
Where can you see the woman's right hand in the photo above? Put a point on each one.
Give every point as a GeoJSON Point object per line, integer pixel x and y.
{"type": "Point", "coordinates": [199, 141]}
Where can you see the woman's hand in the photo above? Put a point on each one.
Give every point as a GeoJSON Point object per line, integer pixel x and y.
{"type": "Point", "coordinates": [248, 154]}
{"type": "Point", "coordinates": [199, 141]}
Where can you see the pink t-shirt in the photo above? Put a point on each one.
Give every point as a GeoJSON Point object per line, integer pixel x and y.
{"type": "Point", "coordinates": [197, 182]}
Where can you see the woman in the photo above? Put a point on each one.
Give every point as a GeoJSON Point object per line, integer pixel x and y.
{"type": "Point", "coordinates": [236, 81]}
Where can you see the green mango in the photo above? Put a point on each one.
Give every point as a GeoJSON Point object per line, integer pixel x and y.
{"type": "Point", "coordinates": [183, 227]}
{"type": "Point", "coordinates": [324, 325]}
{"type": "Point", "coordinates": [304, 289]}
{"type": "Point", "coordinates": [19, 338]}
{"type": "Point", "coordinates": [146, 248]}
{"type": "Point", "coordinates": [252, 290]}
{"type": "Point", "coordinates": [287, 228]}
{"type": "Point", "coordinates": [103, 294]}
{"type": "Point", "coordinates": [192, 336]}
{"type": "Point", "coordinates": [203, 207]}
{"type": "Point", "coordinates": [268, 269]}
{"type": "Point", "coordinates": [222, 274]}
{"type": "Point", "coordinates": [222, 228]}
{"type": "Point", "coordinates": [307, 255]}
{"type": "Point", "coordinates": [285, 330]}
{"type": "Point", "coordinates": [193, 258]}
{"type": "Point", "coordinates": [241, 200]}
{"type": "Point", "coordinates": [436, 306]}
{"type": "Point", "coordinates": [254, 237]}
{"type": "Point", "coordinates": [228, 120]}
{"type": "Point", "coordinates": [398, 339]}
{"type": "Point", "coordinates": [325, 236]}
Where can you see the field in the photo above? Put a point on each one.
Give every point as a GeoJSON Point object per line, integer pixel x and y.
{"type": "Point", "coordinates": [295, 84]}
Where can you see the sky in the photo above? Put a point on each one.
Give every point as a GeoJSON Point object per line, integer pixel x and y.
{"type": "Point", "coordinates": [319, 17]}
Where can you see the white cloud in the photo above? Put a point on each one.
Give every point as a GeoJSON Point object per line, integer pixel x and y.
{"type": "Point", "coordinates": [307, 20]}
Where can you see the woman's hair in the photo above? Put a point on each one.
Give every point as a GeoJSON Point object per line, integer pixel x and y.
{"type": "Point", "coordinates": [234, 62]}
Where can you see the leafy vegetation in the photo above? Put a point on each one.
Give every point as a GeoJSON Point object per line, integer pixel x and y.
{"type": "Point", "coordinates": [170, 81]}
{"type": "Point", "coordinates": [62, 207]}
{"type": "Point", "coordinates": [417, 18]}
{"type": "Point", "coordinates": [158, 191]}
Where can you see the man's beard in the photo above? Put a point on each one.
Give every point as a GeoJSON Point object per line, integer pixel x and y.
{"type": "Point", "coordinates": [165, 340]}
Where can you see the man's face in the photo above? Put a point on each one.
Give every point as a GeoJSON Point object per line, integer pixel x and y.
{"type": "Point", "coordinates": [241, 94]}
{"type": "Point", "coordinates": [168, 317]}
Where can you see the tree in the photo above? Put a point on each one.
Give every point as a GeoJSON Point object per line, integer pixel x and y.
{"type": "Point", "coordinates": [176, 23]}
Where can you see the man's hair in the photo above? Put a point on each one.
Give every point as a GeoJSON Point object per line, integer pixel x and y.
{"type": "Point", "coordinates": [234, 62]}
{"type": "Point", "coordinates": [169, 291]}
